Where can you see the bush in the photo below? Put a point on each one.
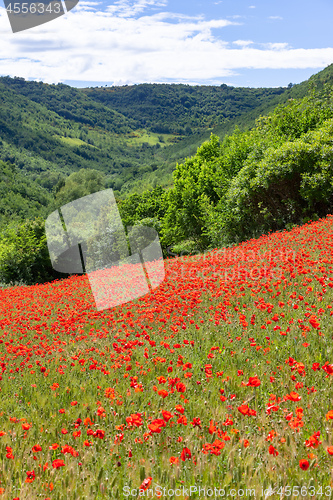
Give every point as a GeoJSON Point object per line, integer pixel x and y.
{"type": "Point", "coordinates": [24, 256]}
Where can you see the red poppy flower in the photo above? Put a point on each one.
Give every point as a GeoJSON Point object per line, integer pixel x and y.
{"type": "Point", "coordinates": [156, 425]}
{"type": "Point", "coordinates": [293, 396]}
{"type": "Point", "coordinates": [180, 387]}
{"type": "Point", "coordinates": [196, 422]}
{"type": "Point", "coordinates": [58, 463]}
{"type": "Point", "coordinates": [182, 420]}
{"type": "Point", "coordinates": [146, 483]}
{"type": "Point", "coordinates": [134, 420]}
{"type": "Point", "coordinates": [243, 409]}
{"type": "Point", "coordinates": [254, 381]}
{"type": "Point", "coordinates": [304, 464]}
{"type": "Point", "coordinates": [166, 415]}
{"type": "Point", "coordinates": [99, 433]}
{"type": "Point", "coordinates": [163, 393]}
{"type": "Point", "coordinates": [273, 451]}
{"type": "Point", "coordinates": [185, 454]}
{"type": "Point", "coordinates": [69, 449]}
{"type": "Point", "coordinates": [31, 476]}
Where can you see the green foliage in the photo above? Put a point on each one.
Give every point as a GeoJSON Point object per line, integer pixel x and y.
{"type": "Point", "coordinates": [24, 256]}
{"type": "Point", "coordinates": [20, 197]}
{"type": "Point", "coordinates": [79, 184]}
{"type": "Point", "coordinates": [276, 175]}
{"type": "Point", "coordinates": [150, 205]}
{"type": "Point", "coordinates": [178, 108]}
{"type": "Point", "coordinates": [194, 191]}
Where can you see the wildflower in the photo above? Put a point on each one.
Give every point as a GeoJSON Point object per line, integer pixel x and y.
{"type": "Point", "coordinates": [243, 409]}
{"type": "Point", "coordinates": [87, 421]}
{"type": "Point", "coordinates": [163, 393]}
{"type": "Point", "coordinates": [134, 420]}
{"type": "Point", "coordinates": [254, 382]}
{"type": "Point", "coordinates": [304, 464]}
{"type": "Point", "coordinates": [69, 449]}
{"type": "Point", "coordinates": [166, 415]}
{"type": "Point", "coordinates": [182, 420]}
{"type": "Point", "coordinates": [99, 433]}
{"type": "Point", "coordinates": [58, 463]}
{"type": "Point", "coordinates": [293, 396]}
{"type": "Point", "coordinates": [180, 387]}
{"type": "Point", "coordinates": [31, 476]}
{"type": "Point", "coordinates": [313, 441]}
{"type": "Point", "coordinates": [185, 454]}
{"type": "Point", "coordinates": [156, 425]}
{"type": "Point", "coordinates": [273, 451]}
{"type": "Point", "coordinates": [196, 422]}
{"type": "Point", "coordinates": [146, 483]}
{"type": "Point", "coordinates": [101, 411]}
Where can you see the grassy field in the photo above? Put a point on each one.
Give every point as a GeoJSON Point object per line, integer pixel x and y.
{"type": "Point", "coordinates": [221, 378]}
{"type": "Point", "coordinates": [143, 136]}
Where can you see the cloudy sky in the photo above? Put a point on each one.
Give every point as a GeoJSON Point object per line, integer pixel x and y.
{"type": "Point", "coordinates": [267, 43]}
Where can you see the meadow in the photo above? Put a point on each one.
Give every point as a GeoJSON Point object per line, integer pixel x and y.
{"type": "Point", "coordinates": [220, 378]}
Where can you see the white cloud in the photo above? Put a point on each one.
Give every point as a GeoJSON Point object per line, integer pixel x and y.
{"type": "Point", "coordinates": [276, 46]}
{"type": "Point", "coordinates": [126, 45]}
{"type": "Point", "coordinates": [278, 18]}
{"type": "Point", "coordinates": [243, 43]}
{"type": "Point", "coordinates": [130, 8]}
{"type": "Point", "coordinates": [83, 5]}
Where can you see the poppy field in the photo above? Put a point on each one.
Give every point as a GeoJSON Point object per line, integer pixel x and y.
{"type": "Point", "coordinates": [220, 378]}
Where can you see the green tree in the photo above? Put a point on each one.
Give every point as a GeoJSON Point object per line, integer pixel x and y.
{"type": "Point", "coordinates": [79, 184]}
{"type": "Point", "coordinates": [24, 256]}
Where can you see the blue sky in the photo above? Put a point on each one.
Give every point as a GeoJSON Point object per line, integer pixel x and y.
{"type": "Point", "coordinates": [264, 43]}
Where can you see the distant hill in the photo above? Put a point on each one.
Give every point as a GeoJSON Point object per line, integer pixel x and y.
{"type": "Point", "coordinates": [134, 135]}
{"type": "Point", "coordinates": [181, 109]}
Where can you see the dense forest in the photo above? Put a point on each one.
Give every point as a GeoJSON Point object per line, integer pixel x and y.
{"type": "Point", "coordinates": [267, 172]}
{"type": "Point", "coordinates": [181, 109]}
